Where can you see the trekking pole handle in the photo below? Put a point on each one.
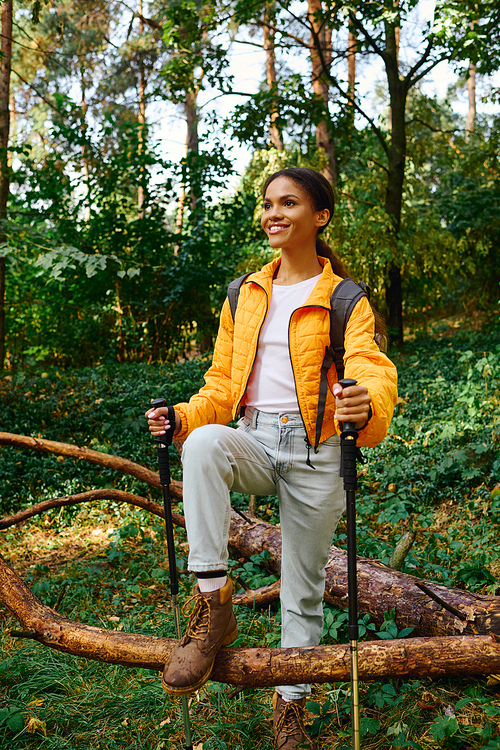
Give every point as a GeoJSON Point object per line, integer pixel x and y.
{"type": "Point", "coordinates": [348, 427]}
{"type": "Point", "coordinates": [164, 441]}
{"type": "Point", "coordinates": [167, 438]}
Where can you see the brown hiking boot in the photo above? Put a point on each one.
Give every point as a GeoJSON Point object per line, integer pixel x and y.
{"type": "Point", "coordinates": [288, 725]}
{"type": "Point", "coordinates": [212, 624]}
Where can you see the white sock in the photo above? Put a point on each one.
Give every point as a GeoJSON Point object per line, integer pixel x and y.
{"type": "Point", "coordinates": [211, 584]}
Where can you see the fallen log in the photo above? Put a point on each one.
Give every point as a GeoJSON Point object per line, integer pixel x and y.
{"type": "Point", "coordinates": [252, 667]}
{"type": "Point", "coordinates": [436, 611]}
{"type": "Point", "coordinates": [260, 597]}
{"type": "Point", "coordinates": [380, 589]}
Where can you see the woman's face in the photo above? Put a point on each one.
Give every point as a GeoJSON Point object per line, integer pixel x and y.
{"type": "Point", "coordinates": [289, 218]}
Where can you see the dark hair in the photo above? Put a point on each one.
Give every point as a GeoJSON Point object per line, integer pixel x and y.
{"type": "Point", "coordinates": [321, 194]}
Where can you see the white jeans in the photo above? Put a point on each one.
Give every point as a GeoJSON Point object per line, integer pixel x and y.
{"type": "Point", "coordinates": [267, 455]}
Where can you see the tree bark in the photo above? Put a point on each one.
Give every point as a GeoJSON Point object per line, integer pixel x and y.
{"type": "Point", "coordinates": [192, 139]}
{"type": "Point", "coordinates": [252, 667]}
{"type": "Point", "coordinates": [5, 70]}
{"type": "Point", "coordinates": [268, 34]}
{"type": "Point", "coordinates": [320, 58]}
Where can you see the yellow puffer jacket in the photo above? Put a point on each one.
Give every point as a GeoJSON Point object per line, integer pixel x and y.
{"type": "Point", "coordinates": [309, 333]}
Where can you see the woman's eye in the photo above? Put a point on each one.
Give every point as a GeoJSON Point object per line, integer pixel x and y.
{"type": "Point", "coordinates": [289, 203]}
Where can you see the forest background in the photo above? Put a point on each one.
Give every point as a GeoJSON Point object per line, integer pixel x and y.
{"type": "Point", "coordinates": [109, 251]}
{"type": "Point", "coordinates": [115, 257]}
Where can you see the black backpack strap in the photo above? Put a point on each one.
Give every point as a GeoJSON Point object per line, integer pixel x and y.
{"type": "Point", "coordinates": [343, 300]}
{"type": "Point", "coordinates": [233, 292]}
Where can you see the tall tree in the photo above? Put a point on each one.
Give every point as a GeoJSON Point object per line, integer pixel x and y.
{"type": "Point", "coordinates": [471, 92]}
{"type": "Point", "coordinates": [321, 57]}
{"type": "Point", "coordinates": [269, 49]}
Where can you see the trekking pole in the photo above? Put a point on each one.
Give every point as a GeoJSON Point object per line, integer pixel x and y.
{"type": "Point", "coordinates": [348, 472]}
{"type": "Point", "coordinates": [164, 467]}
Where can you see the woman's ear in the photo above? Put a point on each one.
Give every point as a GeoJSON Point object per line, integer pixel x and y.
{"type": "Point", "coordinates": [322, 217]}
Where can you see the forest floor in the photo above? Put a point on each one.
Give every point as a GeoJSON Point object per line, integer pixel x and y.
{"type": "Point", "coordinates": [438, 472]}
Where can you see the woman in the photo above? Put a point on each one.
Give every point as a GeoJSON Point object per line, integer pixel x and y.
{"type": "Point", "coordinates": [266, 366]}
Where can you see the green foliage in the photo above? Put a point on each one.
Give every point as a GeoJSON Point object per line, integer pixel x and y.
{"type": "Point", "coordinates": [254, 573]}
{"type": "Point", "coordinates": [101, 407]}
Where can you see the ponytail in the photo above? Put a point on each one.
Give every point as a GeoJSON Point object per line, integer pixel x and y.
{"type": "Point", "coordinates": [325, 251]}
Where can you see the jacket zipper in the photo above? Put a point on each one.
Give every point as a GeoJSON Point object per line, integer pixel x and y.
{"type": "Point", "coordinates": [307, 441]}
{"type": "Point", "coordinates": [255, 353]}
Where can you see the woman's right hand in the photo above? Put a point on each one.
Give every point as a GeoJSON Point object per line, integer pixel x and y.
{"type": "Point", "coordinates": [158, 423]}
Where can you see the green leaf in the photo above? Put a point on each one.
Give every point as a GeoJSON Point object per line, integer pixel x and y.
{"type": "Point", "coordinates": [15, 722]}
{"type": "Point", "coordinates": [444, 726]}
{"type": "Point", "coordinates": [313, 707]}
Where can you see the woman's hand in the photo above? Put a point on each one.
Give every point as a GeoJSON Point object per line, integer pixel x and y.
{"type": "Point", "coordinates": [158, 422]}
{"type": "Point", "coordinates": [353, 404]}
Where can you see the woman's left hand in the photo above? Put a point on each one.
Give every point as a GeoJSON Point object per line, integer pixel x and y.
{"type": "Point", "coordinates": [353, 404]}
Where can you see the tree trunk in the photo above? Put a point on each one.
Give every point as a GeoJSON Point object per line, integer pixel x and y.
{"type": "Point", "coordinates": [471, 114]}
{"type": "Point", "coordinates": [85, 160]}
{"type": "Point", "coordinates": [192, 140]}
{"type": "Point", "coordinates": [274, 133]}
{"type": "Point", "coordinates": [5, 68]}
{"type": "Point", "coordinates": [252, 667]}
{"type": "Point", "coordinates": [395, 178]}
{"type": "Point", "coordinates": [321, 58]}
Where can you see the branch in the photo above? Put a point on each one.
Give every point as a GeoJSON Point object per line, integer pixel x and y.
{"type": "Point", "coordinates": [358, 200]}
{"type": "Point", "coordinates": [434, 130]}
{"type": "Point", "coordinates": [252, 667]}
{"type": "Point", "coordinates": [409, 76]}
{"type": "Point", "coordinates": [37, 93]}
{"type": "Point", "coordinates": [262, 597]}
{"type": "Point", "coordinates": [117, 463]}
{"type": "Point", "coordinates": [374, 161]}
{"type": "Point", "coordinates": [380, 589]}
{"type": "Point", "coordinates": [118, 496]}
{"type": "Point", "coordinates": [379, 51]}
{"type": "Point", "coordinates": [285, 33]}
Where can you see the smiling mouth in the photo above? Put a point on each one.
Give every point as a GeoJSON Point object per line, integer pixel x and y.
{"type": "Point", "coordinates": [276, 228]}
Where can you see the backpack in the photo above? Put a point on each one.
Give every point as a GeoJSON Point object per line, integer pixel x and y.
{"type": "Point", "coordinates": [343, 300]}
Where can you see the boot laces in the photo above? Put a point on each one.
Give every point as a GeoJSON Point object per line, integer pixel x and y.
{"type": "Point", "coordinates": [291, 723]}
{"type": "Point", "coordinates": [198, 625]}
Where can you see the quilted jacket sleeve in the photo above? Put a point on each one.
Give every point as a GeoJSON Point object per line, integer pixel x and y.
{"type": "Point", "coordinates": [213, 403]}
{"type": "Point", "coordinates": [372, 368]}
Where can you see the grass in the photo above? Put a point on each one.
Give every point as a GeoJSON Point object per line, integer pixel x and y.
{"type": "Point", "coordinates": [437, 472]}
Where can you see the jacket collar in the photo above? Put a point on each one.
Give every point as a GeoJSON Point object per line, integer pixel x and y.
{"type": "Point", "coordinates": [321, 292]}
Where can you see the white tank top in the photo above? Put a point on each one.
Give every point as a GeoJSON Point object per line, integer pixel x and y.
{"type": "Point", "coordinates": [271, 386]}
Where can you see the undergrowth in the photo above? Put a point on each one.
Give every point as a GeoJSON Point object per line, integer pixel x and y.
{"type": "Point", "coordinates": [438, 473]}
